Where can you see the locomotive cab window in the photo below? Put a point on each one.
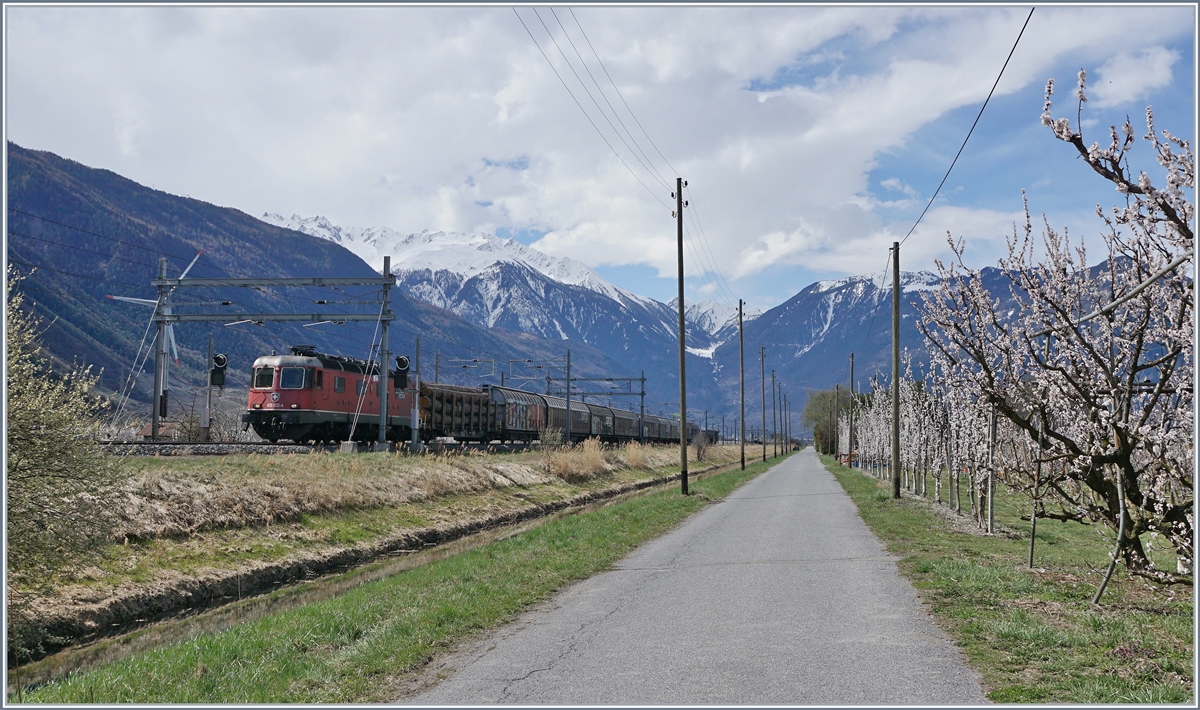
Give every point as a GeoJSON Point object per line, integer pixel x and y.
{"type": "Point", "coordinates": [263, 378]}
{"type": "Point", "coordinates": [291, 378]}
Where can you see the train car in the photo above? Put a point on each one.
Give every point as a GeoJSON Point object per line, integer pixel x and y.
{"type": "Point", "coordinates": [464, 413]}
{"type": "Point", "coordinates": [603, 422]}
{"type": "Point", "coordinates": [650, 428]}
{"type": "Point", "coordinates": [625, 425]}
{"type": "Point", "coordinates": [310, 396]}
{"type": "Point", "coordinates": [556, 417]}
{"type": "Point", "coordinates": [520, 416]}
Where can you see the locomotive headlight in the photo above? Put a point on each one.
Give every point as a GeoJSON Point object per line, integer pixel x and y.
{"type": "Point", "coordinates": [295, 406]}
{"type": "Point", "coordinates": [258, 406]}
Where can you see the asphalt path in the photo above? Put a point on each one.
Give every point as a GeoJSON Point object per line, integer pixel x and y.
{"type": "Point", "coordinates": [778, 594]}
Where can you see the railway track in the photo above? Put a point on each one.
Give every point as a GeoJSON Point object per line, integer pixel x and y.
{"type": "Point", "coordinates": [215, 448]}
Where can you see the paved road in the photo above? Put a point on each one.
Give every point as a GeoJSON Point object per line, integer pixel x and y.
{"type": "Point", "coordinates": [777, 595]}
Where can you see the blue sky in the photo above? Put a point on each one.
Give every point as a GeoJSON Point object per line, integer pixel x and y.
{"type": "Point", "coordinates": [811, 137]}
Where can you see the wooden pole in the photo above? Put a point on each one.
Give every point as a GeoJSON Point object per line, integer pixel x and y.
{"type": "Point", "coordinates": [742, 384]}
{"type": "Point", "coordinates": [896, 370]}
{"type": "Point", "coordinates": [683, 469]}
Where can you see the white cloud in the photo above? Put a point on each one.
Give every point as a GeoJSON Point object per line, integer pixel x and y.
{"type": "Point", "coordinates": [1129, 76]}
{"type": "Point", "coordinates": [384, 116]}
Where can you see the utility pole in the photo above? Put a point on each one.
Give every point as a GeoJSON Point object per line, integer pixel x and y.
{"type": "Point", "coordinates": [642, 412]}
{"type": "Point", "coordinates": [414, 416]}
{"type": "Point", "coordinates": [837, 417]}
{"type": "Point", "coordinates": [742, 384]}
{"type": "Point", "coordinates": [762, 364]}
{"type": "Point", "coordinates": [384, 356]}
{"type": "Point", "coordinates": [568, 396]}
{"type": "Point", "coordinates": [683, 470]}
{"type": "Point", "coordinates": [437, 367]}
{"type": "Point", "coordinates": [789, 425]}
{"type": "Point", "coordinates": [851, 446]}
{"type": "Point", "coordinates": [782, 421]}
{"type": "Point", "coordinates": [160, 357]}
{"type": "Point", "coordinates": [206, 420]}
{"type": "Point", "coordinates": [774, 426]}
{"type": "Point", "coordinates": [896, 370]}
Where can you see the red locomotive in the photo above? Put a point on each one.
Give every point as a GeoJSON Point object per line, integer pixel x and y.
{"type": "Point", "coordinates": [309, 396]}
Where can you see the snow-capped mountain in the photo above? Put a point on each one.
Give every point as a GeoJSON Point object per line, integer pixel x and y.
{"type": "Point", "coordinates": [455, 252]}
{"type": "Point", "coordinates": [717, 319]}
{"type": "Point", "coordinates": [809, 338]}
{"type": "Point", "coordinates": [501, 283]}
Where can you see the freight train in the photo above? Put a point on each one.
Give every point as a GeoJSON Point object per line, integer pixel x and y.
{"type": "Point", "coordinates": [313, 397]}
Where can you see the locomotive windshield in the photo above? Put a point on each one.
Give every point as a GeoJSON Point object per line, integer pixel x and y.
{"type": "Point", "coordinates": [263, 377]}
{"type": "Point", "coordinates": [291, 378]}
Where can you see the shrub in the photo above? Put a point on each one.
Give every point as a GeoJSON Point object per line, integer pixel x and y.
{"type": "Point", "coordinates": [61, 487]}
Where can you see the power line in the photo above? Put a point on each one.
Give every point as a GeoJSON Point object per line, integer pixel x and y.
{"type": "Point", "coordinates": [711, 257]}
{"type": "Point", "coordinates": [11, 260]}
{"type": "Point", "coordinates": [651, 169]}
{"type": "Point", "coordinates": [585, 113]}
{"type": "Point", "coordinates": [980, 115]}
{"type": "Point", "coordinates": [89, 251]}
{"type": "Point", "coordinates": [121, 241]}
{"type": "Point", "coordinates": [705, 251]}
{"type": "Point", "coordinates": [614, 84]}
{"type": "Point", "coordinates": [879, 300]}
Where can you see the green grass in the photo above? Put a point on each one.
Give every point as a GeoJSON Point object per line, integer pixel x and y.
{"type": "Point", "coordinates": [1034, 635]}
{"type": "Point", "coordinates": [346, 649]}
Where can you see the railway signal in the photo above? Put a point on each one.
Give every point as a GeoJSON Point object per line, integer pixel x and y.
{"type": "Point", "coordinates": [401, 372]}
{"type": "Point", "coordinates": [216, 373]}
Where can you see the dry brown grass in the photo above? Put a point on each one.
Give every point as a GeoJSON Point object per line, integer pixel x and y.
{"type": "Point", "coordinates": [582, 463]}
{"type": "Point", "coordinates": [173, 497]}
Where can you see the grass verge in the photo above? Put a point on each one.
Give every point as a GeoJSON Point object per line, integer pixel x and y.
{"type": "Point", "coordinates": [346, 649]}
{"type": "Point", "coordinates": [1034, 634]}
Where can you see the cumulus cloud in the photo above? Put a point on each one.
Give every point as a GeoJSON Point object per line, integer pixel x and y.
{"type": "Point", "coordinates": [1130, 76]}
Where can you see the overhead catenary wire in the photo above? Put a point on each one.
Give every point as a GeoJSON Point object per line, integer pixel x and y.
{"type": "Point", "coordinates": [139, 363]}
{"type": "Point", "coordinates": [972, 130]}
